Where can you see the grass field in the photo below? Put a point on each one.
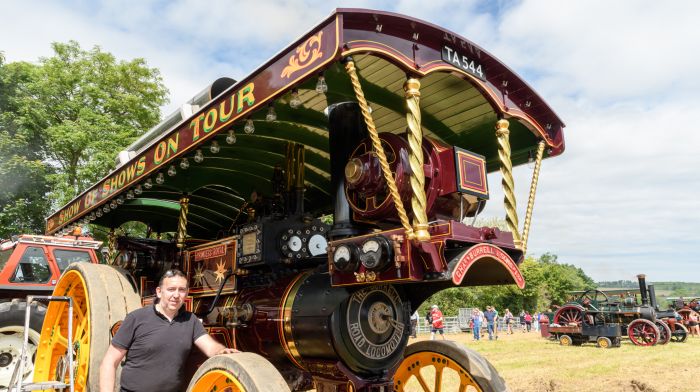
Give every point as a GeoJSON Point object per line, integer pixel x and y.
{"type": "Point", "coordinates": [530, 363]}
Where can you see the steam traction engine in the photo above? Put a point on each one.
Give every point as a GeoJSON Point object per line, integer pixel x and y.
{"type": "Point", "coordinates": [314, 206]}
{"type": "Point", "coordinates": [642, 321]}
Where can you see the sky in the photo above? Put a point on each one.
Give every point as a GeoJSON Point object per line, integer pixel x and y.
{"type": "Point", "coordinates": [621, 74]}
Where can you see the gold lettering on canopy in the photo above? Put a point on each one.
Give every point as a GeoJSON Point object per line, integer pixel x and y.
{"type": "Point", "coordinates": [305, 55]}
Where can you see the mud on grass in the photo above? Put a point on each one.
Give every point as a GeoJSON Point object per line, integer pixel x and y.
{"type": "Point", "coordinates": [530, 363]}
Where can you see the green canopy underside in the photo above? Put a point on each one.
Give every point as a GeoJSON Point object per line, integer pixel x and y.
{"type": "Point", "coordinates": [453, 110]}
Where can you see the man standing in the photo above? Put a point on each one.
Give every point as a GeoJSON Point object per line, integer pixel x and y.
{"type": "Point", "coordinates": [438, 324]}
{"type": "Point", "coordinates": [490, 316]}
{"type": "Point", "coordinates": [156, 341]}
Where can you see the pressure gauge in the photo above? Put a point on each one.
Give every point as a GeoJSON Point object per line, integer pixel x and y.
{"type": "Point", "coordinates": [371, 245]}
{"type": "Point", "coordinates": [294, 243]}
{"type": "Point", "coordinates": [317, 244]}
{"type": "Point", "coordinates": [376, 253]}
{"type": "Point", "coordinates": [345, 258]}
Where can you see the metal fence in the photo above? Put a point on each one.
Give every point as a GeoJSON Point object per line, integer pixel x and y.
{"type": "Point", "coordinates": [457, 324]}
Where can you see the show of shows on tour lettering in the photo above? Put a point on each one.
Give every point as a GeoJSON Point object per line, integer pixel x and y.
{"type": "Point", "coordinates": [218, 116]}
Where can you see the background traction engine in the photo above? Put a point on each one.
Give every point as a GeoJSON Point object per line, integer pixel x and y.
{"type": "Point", "coordinates": [643, 323]}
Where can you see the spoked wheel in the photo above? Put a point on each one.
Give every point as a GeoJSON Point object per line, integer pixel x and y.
{"type": "Point", "coordinates": [680, 334]}
{"type": "Point", "coordinates": [240, 372]}
{"type": "Point", "coordinates": [643, 332]}
{"type": "Point", "coordinates": [433, 366]}
{"type": "Point", "coordinates": [569, 314]}
{"type": "Point", "coordinates": [12, 337]}
{"type": "Point", "coordinates": [101, 297]}
{"type": "Point", "coordinates": [664, 332]}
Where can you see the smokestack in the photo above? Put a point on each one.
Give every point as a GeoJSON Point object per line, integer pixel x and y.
{"type": "Point", "coordinates": [652, 297]}
{"type": "Point", "coordinates": [643, 288]}
{"type": "Point", "coordinates": [346, 129]}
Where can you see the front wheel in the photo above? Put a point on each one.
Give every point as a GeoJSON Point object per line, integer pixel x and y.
{"type": "Point", "coordinates": [101, 297]}
{"type": "Point", "coordinates": [445, 366]}
{"type": "Point", "coordinates": [643, 332]}
{"type": "Point", "coordinates": [240, 372]}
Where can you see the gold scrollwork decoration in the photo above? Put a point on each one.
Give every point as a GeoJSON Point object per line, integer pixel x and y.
{"type": "Point", "coordinates": [306, 54]}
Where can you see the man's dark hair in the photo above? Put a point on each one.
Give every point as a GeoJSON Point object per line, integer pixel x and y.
{"type": "Point", "coordinates": [171, 273]}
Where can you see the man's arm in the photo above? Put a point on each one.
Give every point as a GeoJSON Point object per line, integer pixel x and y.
{"type": "Point", "coordinates": [108, 368]}
{"type": "Point", "coordinates": [211, 347]}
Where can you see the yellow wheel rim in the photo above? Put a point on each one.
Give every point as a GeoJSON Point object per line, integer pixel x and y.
{"type": "Point", "coordinates": [432, 372]}
{"type": "Point", "coordinates": [603, 343]}
{"type": "Point", "coordinates": [218, 381]}
{"type": "Point", "coordinates": [54, 334]}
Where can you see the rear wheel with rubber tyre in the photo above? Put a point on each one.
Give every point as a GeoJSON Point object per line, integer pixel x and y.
{"type": "Point", "coordinates": [102, 296]}
{"type": "Point", "coordinates": [604, 342]}
{"type": "Point", "coordinates": [240, 372]}
{"type": "Point", "coordinates": [566, 340]}
{"type": "Point", "coordinates": [445, 366]}
{"type": "Point", "coordinates": [12, 315]}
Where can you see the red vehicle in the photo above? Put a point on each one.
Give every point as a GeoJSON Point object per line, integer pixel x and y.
{"type": "Point", "coordinates": [31, 265]}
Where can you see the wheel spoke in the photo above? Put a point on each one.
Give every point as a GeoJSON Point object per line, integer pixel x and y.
{"type": "Point", "coordinates": [438, 378]}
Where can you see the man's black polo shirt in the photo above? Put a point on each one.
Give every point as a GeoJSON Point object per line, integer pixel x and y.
{"type": "Point", "coordinates": [157, 349]}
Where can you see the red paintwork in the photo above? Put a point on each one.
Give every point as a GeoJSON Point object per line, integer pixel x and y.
{"type": "Point", "coordinates": [48, 244]}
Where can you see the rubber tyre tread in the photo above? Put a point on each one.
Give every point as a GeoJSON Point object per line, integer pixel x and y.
{"type": "Point", "coordinates": [664, 330]}
{"type": "Point", "coordinates": [478, 367]}
{"type": "Point", "coordinates": [255, 373]}
{"type": "Point", "coordinates": [111, 298]}
{"type": "Point", "coordinates": [13, 312]}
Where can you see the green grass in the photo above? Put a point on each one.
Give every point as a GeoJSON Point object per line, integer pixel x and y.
{"type": "Point", "coordinates": [530, 363]}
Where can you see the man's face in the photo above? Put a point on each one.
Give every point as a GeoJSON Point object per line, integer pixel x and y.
{"type": "Point", "coordinates": [172, 293]}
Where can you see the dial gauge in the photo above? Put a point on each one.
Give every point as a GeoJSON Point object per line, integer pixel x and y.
{"type": "Point", "coordinates": [294, 243]}
{"type": "Point", "coordinates": [341, 255]}
{"type": "Point", "coordinates": [317, 244]}
{"type": "Point", "coordinates": [370, 246]}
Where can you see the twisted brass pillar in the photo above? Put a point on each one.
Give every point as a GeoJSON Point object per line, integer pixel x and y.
{"type": "Point", "coordinates": [533, 190]}
{"type": "Point", "coordinates": [182, 221]}
{"type": "Point", "coordinates": [502, 133]}
{"type": "Point", "coordinates": [415, 158]}
{"type": "Point", "coordinates": [378, 149]}
{"type": "Point", "coordinates": [111, 246]}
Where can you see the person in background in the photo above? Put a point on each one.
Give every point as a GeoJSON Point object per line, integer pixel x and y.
{"type": "Point", "coordinates": [476, 321]}
{"type": "Point", "coordinates": [495, 331]}
{"type": "Point", "coordinates": [414, 324]}
{"type": "Point", "coordinates": [508, 316]}
{"type": "Point", "coordinates": [694, 324]}
{"type": "Point", "coordinates": [438, 323]}
{"type": "Point", "coordinates": [490, 317]}
{"type": "Point", "coordinates": [528, 321]}
{"type": "Point", "coordinates": [521, 316]}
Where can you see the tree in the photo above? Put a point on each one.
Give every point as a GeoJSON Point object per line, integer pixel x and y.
{"type": "Point", "coordinates": [23, 184]}
{"type": "Point", "coordinates": [88, 106]}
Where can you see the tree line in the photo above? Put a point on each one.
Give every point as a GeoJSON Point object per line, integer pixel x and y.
{"type": "Point", "coordinates": [62, 121]}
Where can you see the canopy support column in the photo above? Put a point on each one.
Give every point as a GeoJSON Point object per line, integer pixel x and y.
{"type": "Point", "coordinates": [111, 246]}
{"type": "Point", "coordinates": [378, 149]}
{"type": "Point", "coordinates": [415, 158]}
{"type": "Point", "coordinates": [533, 190]}
{"type": "Point", "coordinates": [182, 221]}
{"type": "Point", "coordinates": [503, 134]}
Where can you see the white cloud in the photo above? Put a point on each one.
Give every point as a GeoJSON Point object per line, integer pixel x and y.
{"type": "Point", "coordinates": [621, 74]}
